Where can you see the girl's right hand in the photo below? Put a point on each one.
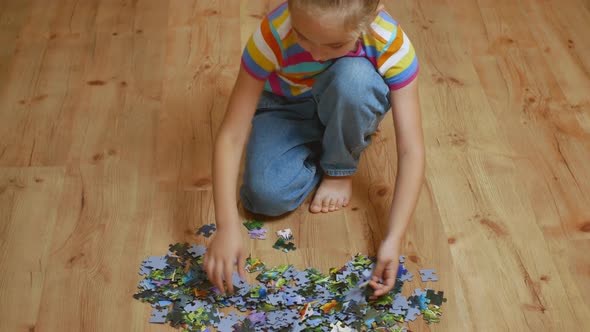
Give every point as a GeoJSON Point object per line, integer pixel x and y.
{"type": "Point", "coordinates": [224, 250]}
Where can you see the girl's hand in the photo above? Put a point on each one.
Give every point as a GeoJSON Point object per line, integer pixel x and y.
{"type": "Point", "coordinates": [225, 250]}
{"type": "Point", "coordinates": [386, 267]}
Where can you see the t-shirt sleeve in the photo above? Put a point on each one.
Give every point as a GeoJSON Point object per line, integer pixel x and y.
{"type": "Point", "coordinates": [262, 54]}
{"type": "Point", "coordinates": [397, 61]}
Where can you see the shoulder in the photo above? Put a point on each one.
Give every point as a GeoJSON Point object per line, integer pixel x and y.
{"type": "Point", "coordinates": [383, 29]}
{"type": "Point", "coordinates": [279, 18]}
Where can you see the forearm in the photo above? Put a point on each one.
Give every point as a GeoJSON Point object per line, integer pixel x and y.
{"type": "Point", "coordinates": [226, 166]}
{"type": "Point", "coordinates": [411, 158]}
{"type": "Point", "coordinates": [229, 146]}
{"type": "Point", "coordinates": [409, 180]}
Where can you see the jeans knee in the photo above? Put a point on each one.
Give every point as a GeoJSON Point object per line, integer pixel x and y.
{"type": "Point", "coordinates": [355, 74]}
{"type": "Point", "coordinates": [353, 83]}
{"type": "Point", "coordinates": [260, 198]}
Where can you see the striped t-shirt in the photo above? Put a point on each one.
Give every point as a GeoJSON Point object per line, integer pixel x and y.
{"type": "Point", "coordinates": [273, 55]}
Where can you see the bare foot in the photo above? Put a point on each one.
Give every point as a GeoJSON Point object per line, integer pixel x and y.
{"type": "Point", "coordinates": [334, 193]}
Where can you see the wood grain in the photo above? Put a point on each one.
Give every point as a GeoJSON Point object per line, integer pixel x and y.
{"type": "Point", "coordinates": [108, 113]}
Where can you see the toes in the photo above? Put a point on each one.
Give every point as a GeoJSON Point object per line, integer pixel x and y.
{"type": "Point", "coordinates": [332, 205]}
{"type": "Point", "coordinates": [315, 206]}
{"type": "Point", "coordinates": [345, 202]}
{"type": "Point", "coordinates": [326, 204]}
{"type": "Point", "coordinates": [339, 203]}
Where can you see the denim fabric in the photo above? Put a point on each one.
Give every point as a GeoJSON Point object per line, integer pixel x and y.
{"type": "Point", "coordinates": [293, 143]}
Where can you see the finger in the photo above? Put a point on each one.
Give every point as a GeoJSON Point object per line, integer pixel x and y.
{"type": "Point", "coordinates": [377, 293]}
{"type": "Point", "coordinates": [218, 277]}
{"type": "Point", "coordinates": [209, 270]}
{"type": "Point", "coordinates": [242, 265]}
{"type": "Point", "coordinates": [376, 286]}
{"type": "Point", "coordinates": [378, 290]}
{"type": "Point", "coordinates": [389, 278]}
{"type": "Point", "coordinates": [378, 272]}
{"type": "Point", "coordinates": [228, 274]}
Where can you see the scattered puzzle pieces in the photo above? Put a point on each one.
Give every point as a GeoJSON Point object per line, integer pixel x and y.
{"type": "Point", "coordinates": [435, 298]}
{"type": "Point", "coordinates": [254, 264]}
{"type": "Point", "coordinates": [253, 224]}
{"type": "Point", "coordinates": [156, 262]}
{"type": "Point", "coordinates": [338, 327]}
{"type": "Point", "coordinates": [207, 230]}
{"type": "Point", "coordinates": [432, 314]}
{"type": "Point", "coordinates": [412, 313]}
{"type": "Point", "coordinates": [428, 275]}
{"type": "Point", "coordinates": [197, 250]}
{"type": "Point", "coordinates": [159, 316]}
{"type": "Point", "coordinates": [286, 234]}
{"type": "Point", "coordinates": [284, 299]}
{"type": "Point", "coordinates": [281, 244]}
{"type": "Point", "coordinates": [259, 234]}
{"type": "Point", "coordinates": [407, 277]}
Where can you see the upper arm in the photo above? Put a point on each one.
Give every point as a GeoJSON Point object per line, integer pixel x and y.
{"type": "Point", "coordinates": [242, 106]}
{"type": "Point", "coordinates": [395, 55]}
{"type": "Point", "coordinates": [407, 118]}
{"type": "Point", "coordinates": [262, 54]}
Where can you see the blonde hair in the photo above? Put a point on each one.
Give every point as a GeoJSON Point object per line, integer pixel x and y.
{"type": "Point", "coordinates": [356, 15]}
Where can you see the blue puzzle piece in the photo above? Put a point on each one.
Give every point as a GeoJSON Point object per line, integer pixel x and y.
{"type": "Point", "coordinates": [237, 280]}
{"type": "Point", "coordinates": [397, 311]}
{"type": "Point", "coordinates": [356, 294]}
{"type": "Point", "coordinates": [183, 300]}
{"type": "Point", "coordinates": [147, 284]}
{"type": "Point", "coordinates": [428, 275]}
{"type": "Point", "coordinates": [159, 316]}
{"type": "Point", "coordinates": [197, 250]}
{"type": "Point", "coordinates": [400, 301]}
{"type": "Point", "coordinates": [292, 299]}
{"type": "Point", "coordinates": [144, 270]}
{"type": "Point", "coordinates": [401, 270]}
{"type": "Point", "coordinates": [207, 230]}
{"type": "Point", "coordinates": [412, 313]}
{"type": "Point", "coordinates": [162, 304]}
{"type": "Point", "coordinates": [196, 304]}
{"type": "Point", "coordinates": [301, 278]}
{"type": "Point", "coordinates": [274, 299]}
{"type": "Point", "coordinates": [418, 292]}
{"type": "Point", "coordinates": [156, 262]}
{"type": "Point", "coordinates": [407, 277]}
{"type": "Point", "coordinates": [226, 324]}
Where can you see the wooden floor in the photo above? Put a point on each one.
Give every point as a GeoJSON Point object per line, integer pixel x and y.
{"type": "Point", "coordinates": [108, 109]}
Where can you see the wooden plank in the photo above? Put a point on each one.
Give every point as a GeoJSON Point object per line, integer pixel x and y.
{"type": "Point", "coordinates": [27, 222]}
{"type": "Point", "coordinates": [122, 99]}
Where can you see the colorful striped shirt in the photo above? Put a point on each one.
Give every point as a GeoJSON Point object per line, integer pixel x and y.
{"type": "Point", "coordinates": [273, 55]}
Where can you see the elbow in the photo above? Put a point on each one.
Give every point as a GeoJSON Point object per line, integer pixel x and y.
{"type": "Point", "coordinates": [229, 138]}
{"type": "Point", "coordinates": [415, 156]}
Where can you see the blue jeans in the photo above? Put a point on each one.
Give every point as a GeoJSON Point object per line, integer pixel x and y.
{"type": "Point", "coordinates": [294, 142]}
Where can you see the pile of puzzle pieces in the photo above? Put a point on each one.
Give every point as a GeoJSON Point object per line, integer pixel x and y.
{"type": "Point", "coordinates": [284, 298]}
{"type": "Point", "coordinates": [257, 232]}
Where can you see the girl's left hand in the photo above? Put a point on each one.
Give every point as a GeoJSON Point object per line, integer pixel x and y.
{"type": "Point", "coordinates": [386, 267]}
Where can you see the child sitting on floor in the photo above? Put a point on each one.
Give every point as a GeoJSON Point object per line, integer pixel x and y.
{"type": "Point", "coordinates": [316, 79]}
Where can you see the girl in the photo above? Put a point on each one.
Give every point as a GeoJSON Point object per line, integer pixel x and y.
{"type": "Point", "coordinates": [316, 78]}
